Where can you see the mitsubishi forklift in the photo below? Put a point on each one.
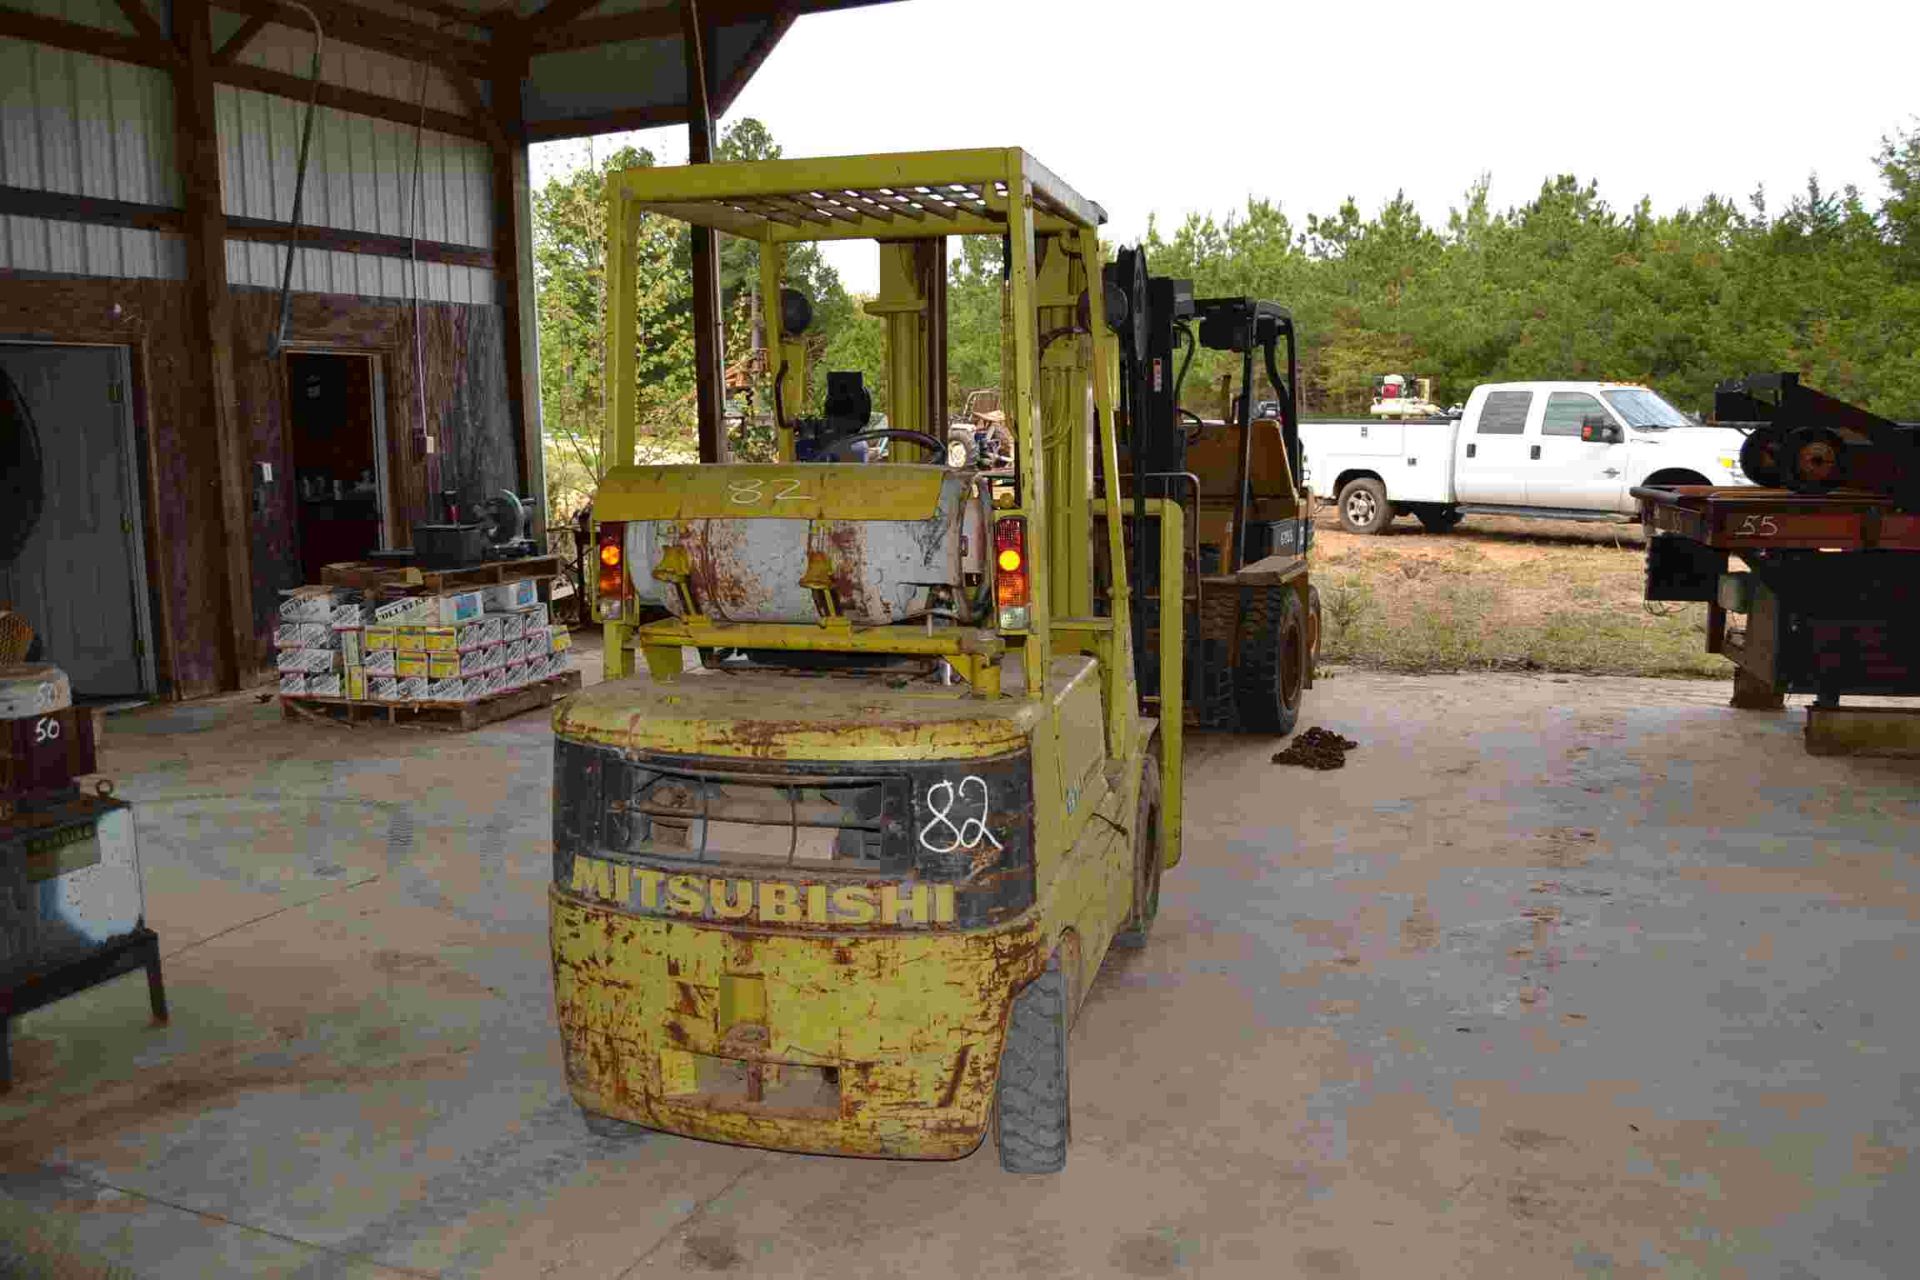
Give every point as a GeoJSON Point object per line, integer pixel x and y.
{"type": "Point", "coordinates": [836, 872]}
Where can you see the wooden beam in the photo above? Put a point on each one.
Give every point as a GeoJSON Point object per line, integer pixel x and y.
{"type": "Point", "coordinates": [210, 354]}
{"type": "Point", "coordinates": [351, 24]}
{"type": "Point", "coordinates": [606, 122]}
{"type": "Point", "coordinates": [379, 106]}
{"type": "Point", "coordinates": [24, 202]}
{"type": "Point", "coordinates": [709, 346]}
{"type": "Point", "coordinates": [778, 23]}
{"type": "Point", "coordinates": [239, 40]}
{"type": "Point", "coordinates": [94, 211]}
{"type": "Point", "coordinates": [558, 14]}
{"type": "Point", "coordinates": [362, 242]}
{"type": "Point", "coordinates": [481, 114]}
{"type": "Point", "coordinates": [135, 12]}
{"type": "Point", "coordinates": [79, 38]}
{"type": "Point", "coordinates": [512, 273]}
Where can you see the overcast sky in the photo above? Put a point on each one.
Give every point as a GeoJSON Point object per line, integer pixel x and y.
{"type": "Point", "coordinates": [1165, 108]}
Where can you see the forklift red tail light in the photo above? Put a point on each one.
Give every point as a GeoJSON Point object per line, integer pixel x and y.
{"type": "Point", "coordinates": [611, 587]}
{"type": "Point", "coordinates": [1010, 586]}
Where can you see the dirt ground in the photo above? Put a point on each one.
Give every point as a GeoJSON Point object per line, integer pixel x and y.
{"type": "Point", "coordinates": [1559, 976]}
{"type": "Point", "coordinates": [1498, 593]}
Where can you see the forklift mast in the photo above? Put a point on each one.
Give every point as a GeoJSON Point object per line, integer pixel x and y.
{"type": "Point", "coordinates": [1155, 319]}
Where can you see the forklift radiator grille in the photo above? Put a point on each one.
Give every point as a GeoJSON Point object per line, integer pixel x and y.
{"type": "Point", "coordinates": [794, 820]}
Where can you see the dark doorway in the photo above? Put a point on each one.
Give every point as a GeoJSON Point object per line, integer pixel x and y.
{"type": "Point", "coordinates": [339, 472]}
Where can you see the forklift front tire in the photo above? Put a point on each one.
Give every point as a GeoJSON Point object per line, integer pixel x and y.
{"type": "Point", "coordinates": [1147, 858]}
{"type": "Point", "coordinates": [1272, 678]}
{"type": "Point", "coordinates": [1032, 1112]}
{"type": "Point", "coordinates": [607, 1127]}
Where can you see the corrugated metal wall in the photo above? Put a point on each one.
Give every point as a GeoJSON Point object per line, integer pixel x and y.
{"type": "Point", "coordinates": [89, 126]}
{"type": "Point", "coordinates": [360, 176]}
{"type": "Point", "coordinates": [86, 127]}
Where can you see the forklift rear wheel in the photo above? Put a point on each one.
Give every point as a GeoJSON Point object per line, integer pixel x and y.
{"type": "Point", "coordinates": [607, 1127]}
{"type": "Point", "coordinates": [1146, 858]}
{"type": "Point", "coordinates": [1364, 507]}
{"type": "Point", "coordinates": [1032, 1113]}
{"type": "Point", "coordinates": [1273, 662]}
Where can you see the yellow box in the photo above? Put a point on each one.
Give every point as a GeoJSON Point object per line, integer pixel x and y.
{"type": "Point", "coordinates": [559, 639]}
{"type": "Point", "coordinates": [440, 639]}
{"type": "Point", "coordinates": [410, 639]}
{"type": "Point", "coordinates": [357, 683]}
{"type": "Point", "coordinates": [407, 665]}
{"type": "Point", "coordinates": [443, 666]}
{"type": "Point", "coordinates": [380, 638]}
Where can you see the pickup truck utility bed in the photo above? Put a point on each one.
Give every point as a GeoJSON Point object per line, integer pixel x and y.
{"type": "Point", "coordinates": [1559, 450]}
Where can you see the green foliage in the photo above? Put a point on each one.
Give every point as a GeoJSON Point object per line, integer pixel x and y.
{"type": "Point", "coordinates": [1568, 286]}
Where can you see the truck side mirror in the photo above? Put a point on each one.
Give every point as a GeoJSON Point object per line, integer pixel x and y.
{"type": "Point", "coordinates": [1599, 431]}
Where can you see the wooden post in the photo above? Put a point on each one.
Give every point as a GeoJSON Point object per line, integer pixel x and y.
{"type": "Point", "coordinates": [709, 344]}
{"type": "Point", "coordinates": [513, 273]}
{"type": "Point", "coordinates": [209, 302]}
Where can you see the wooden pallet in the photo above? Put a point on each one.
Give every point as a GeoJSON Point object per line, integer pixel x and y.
{"type": "Point", "coordinates": [379, 577]}
{"type": "Point", "coordinates": [453, 717]}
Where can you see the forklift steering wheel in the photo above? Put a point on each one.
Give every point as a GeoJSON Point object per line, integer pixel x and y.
{"type": "Point", "coordinates": [937, 448]}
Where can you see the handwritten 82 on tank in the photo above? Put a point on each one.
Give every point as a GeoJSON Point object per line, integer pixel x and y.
{"type": "Point", "coordinates": [652, 892]}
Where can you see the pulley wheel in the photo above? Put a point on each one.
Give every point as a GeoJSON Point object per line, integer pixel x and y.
{"type": "Point", "coordinates": [1760, 459]}
{"type": "Point", "coordinates": [1815, 460]}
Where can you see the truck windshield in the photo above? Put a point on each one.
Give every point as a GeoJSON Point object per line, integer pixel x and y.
{"type": "Point", "coordinates": [1645, 409]}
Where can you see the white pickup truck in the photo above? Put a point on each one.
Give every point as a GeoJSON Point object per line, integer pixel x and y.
{"type": "Point", "coordinates": [1560, 450]}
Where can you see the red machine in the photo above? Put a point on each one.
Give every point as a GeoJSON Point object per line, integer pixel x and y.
{"type": "Point", "coordinates": [1828, 601]}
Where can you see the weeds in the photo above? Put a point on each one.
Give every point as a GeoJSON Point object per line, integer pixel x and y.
{"type": "Point", "coordinates": [1501, 603]}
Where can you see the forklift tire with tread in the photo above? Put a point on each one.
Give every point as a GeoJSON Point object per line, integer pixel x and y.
{"type": "Point", "coordinates": [1273, 662]}
{"type": "Point", "coordinates": [1147, 858]}
{"type": "Point", "coordinates": [1363, 506]}
{"type": "Point", "coordinates": [607, 1127]}
{"type": "Point", "coordinates": [1032, 1114]}
{"type": "Point", "coordinates": [1217, 709]}
{"type": "Point", "coordinates": [1315, 629]}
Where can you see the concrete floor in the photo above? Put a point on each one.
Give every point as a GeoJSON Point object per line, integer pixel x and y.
{"type": "Point", "coordinates": [1559, 977]}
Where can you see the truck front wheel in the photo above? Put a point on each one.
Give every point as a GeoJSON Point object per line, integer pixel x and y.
{"type": "Point", "coordinates": [1363, 506]}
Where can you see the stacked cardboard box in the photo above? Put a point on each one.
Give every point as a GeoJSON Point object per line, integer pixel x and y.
{"type": "Point", "coordinates": [457, 647]}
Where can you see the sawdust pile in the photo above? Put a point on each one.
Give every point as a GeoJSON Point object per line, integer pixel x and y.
{"type": "Point", "coordinates": [1316, 748]}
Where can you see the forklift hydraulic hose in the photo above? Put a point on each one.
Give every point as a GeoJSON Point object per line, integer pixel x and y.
{"type": "Point", "coordinates": [1180, 378]}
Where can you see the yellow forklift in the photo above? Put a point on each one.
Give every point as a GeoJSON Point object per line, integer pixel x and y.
{"type": "Point", "coordinates": [836, 873]}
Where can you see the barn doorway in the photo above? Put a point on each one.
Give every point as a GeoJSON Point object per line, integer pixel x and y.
{"type": "Point", "coordinates": [337, 443]}
{"type": "Point", "coordinates": [80, 576]}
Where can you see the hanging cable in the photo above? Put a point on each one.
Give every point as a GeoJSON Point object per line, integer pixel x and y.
{"type": "Point", "coordinates": [278, 340]}
{"type": "Point", "coordinates": [413, 290]}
